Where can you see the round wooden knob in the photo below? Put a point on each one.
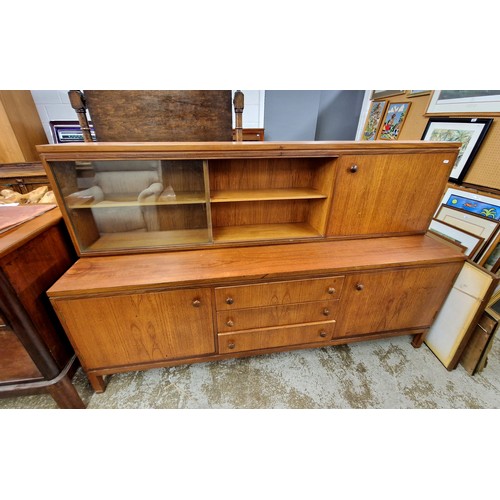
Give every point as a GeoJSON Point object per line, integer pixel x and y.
{"type": "Point", "coordinates": [326, 312]}
{"type": "Point", "coordinates": [353, 169]}
{"type": "Point", "coordinates": [231, 345]}
{"type": "Point", "coordinates": [229, 300]}
{"type": "Point", "coordinates": [360, 286]}
{"type": "Point", "coordinates": [331, 290]}
{"type": "Point", "coordinates": [230, 322]}
{"type": "Point", "coordinates": [322, 333]}
{"type": "Point", "coordinates": [196, 303]}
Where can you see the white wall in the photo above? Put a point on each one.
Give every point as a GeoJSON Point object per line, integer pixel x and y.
{"type": "Point", "coordinates": [53, 105]}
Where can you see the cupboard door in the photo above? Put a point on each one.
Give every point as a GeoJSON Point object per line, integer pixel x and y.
{"type": "Point", "coordinates": [139, 328]}
{"type": "Point", "coordinates": [391, 193]}
{"type": "Point", "coordinates": [394, 300]}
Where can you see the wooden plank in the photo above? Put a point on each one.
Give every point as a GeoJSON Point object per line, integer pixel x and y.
{"type": "Point", "coordinates": [132, 272]}
{"type": "Point", "coordinates": [259, 232]}
{"type": "Point", "coordinates": [217, 149]}
{"type": "Point", "coordinates": [131, 239]}
{"type": "Point", "coordinates": [473, 352]}
{"type": "Point", "coordinates": [265, 194]}
{"type": "Point", "coordinates": [114, 201]}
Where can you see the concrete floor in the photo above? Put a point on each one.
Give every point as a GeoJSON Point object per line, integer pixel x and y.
{"type": "Point", "coordinates": [382, 374]}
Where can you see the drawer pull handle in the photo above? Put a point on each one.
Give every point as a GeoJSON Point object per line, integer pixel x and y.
{"type": "Point", "coordinates": [231, 345]}
{"type": "Point", "coordinates": [331, 290]}
{"type": "Point", "coordinates": [229, 300]}
{"type": "Point", "coordinates": [322, 333]}
{"type": "Point", "coordinates": [360, 286]}
{"type": "Point", "coordinates": [230, 322]}
{"type": "Point", "coordinates": [353, 169]}
{"type": "Point", "coordinates": [196, 303]}
{"type": "Point", "coordinates": [326, 312]}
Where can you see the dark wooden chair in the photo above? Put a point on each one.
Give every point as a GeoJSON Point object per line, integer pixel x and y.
{"type": "Point", "coordinates": [158, 115]}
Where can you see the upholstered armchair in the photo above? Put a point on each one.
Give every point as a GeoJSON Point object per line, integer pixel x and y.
{"type": "Point", "coordinates": [120, 193]}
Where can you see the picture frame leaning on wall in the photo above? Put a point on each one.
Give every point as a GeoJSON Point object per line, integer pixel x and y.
{"type": "Point", "coordinates": [469, 131]}
{"type": "Point", "coordinates": [464, 102]}
{"type": "Point", "coordinates": [373, 120]}
{"type": "Point", "coordinates": [394, 119]}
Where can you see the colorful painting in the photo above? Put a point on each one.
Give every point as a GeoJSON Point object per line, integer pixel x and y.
{"type": "Point", "coordinates": [469, 131]}
{"type": "Point", "coordinates": [394, 119]}
{"type": "Point", "coordinates": [375, 114]}
{"type": "Point", "coordinates": [474, 206]}
{"type": "Point", "coordinates": [463, 136]}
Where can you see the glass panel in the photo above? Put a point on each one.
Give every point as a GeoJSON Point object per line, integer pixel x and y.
{"type": "Point", "coordinates": [134, 204]}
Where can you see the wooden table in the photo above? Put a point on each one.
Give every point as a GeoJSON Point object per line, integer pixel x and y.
{"type": "Point", "coordinates": [35, 355]}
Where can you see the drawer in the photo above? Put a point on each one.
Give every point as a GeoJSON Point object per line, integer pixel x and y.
{"type": "Point", "coordinates": [279, 293]}
{"type": "Point", "coordinates": [245, 319]}
{"type": "Point", "coordinates": [264, 338]}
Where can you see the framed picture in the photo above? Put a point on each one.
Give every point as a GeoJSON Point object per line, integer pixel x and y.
{"type": "Point", "coordinates": [469, 131]}
{"type": "Point", "coordinates": [471, 242]}
{"type": "Point", "coordinates": [487, 206]}
{"type": "Point", "coordinates": [464, 101]}
{"type": "Point", "coordinates": [457, 319]}
{"type": "Point", "coordinates": [417, 93]}
{"type": "Point", "coordinates": [472, 223]}
{"type": "Point", "coordinates": [493, 307]}
{"type": "Point", "coordinates": [491, 255]}
{"type": "Point", "coordinates": [393, 121]}
{"type": "Point", "coordinates": [375, 114]}
{"type": "Point", "coordinates": [68, 131]}
{"type": "Point", "coordinates": [492, 261]}
{"type": "Point", "coordinates": [447, 241]}
{"type": "Point", "coordinates": [379, 94]}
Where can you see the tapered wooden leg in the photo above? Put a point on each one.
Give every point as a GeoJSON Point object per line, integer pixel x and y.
{"type": "Point", "coordinates": [65, 394]}
{"type": "Point", "coordinates": [97, 382]}
{"type": "Point", "coordinates": [418, 339]}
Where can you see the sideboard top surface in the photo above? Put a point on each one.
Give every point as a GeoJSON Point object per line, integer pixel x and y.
{"type": "Point", "coordinates": [240, 149]}
{"type": "Point", "coordinates": [225, 265]}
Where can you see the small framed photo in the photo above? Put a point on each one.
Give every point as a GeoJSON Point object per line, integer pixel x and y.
{"type": "Point", "coordinates": [472, 223]}
{"type": "Point", "coordinates": [471, 242]}
{"type": "Point", "coordinates": [394, 119]}
{"type": "Point", "coordinates": [469, 131]}
{"type": "Point", "coordinates": [487, 206]}
{"type": "Point", "coordinates": [375, 114]}
{"type": "Point", "coordinates": [379, 94]}
{"type": "Point", "coordinates": [417, 93]}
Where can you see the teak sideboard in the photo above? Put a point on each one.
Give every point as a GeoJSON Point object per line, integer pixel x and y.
{"type": "Point", "coordinates": [193, 252]}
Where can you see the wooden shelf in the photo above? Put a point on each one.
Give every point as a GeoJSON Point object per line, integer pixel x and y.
{"type": "Point", "coordinates": [256, 232]}
{"type": "Point", "coordinates": [228, 196]}
{"type": "Point", "coordinates": [138, 239]}
{"type": "Point", "coordinates": [182, 198]}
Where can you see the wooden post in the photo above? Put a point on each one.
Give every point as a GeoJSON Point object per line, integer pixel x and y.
{"type": "Point", "coordinates": [239, 104]}
{"type": "Point", "coordinates": [77, 100]}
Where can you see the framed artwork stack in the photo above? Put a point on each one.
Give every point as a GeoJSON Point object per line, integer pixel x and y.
{"type": "Point", "coordinates": [473, 221]}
